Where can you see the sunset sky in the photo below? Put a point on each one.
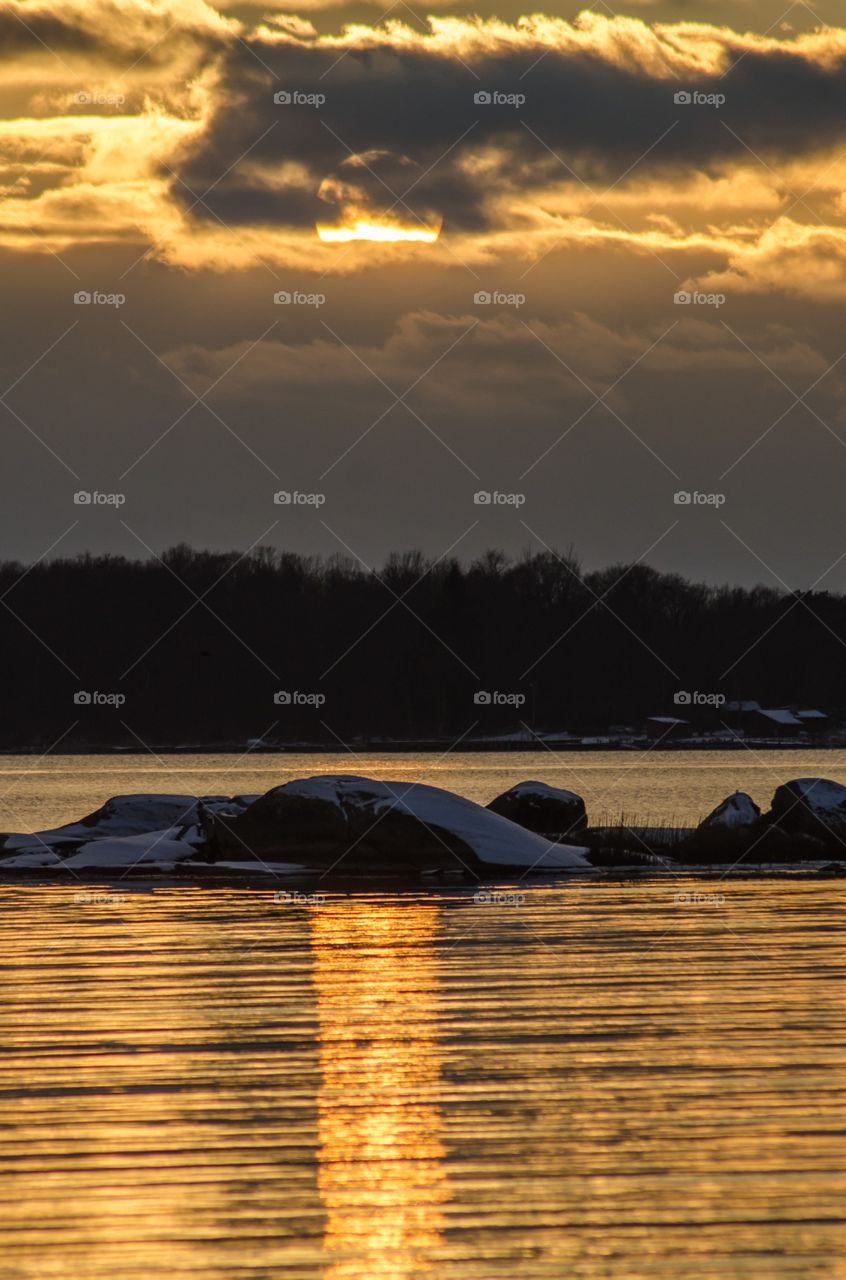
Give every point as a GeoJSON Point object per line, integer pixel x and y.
{"type": "Point", "coordinates": [145, 158]}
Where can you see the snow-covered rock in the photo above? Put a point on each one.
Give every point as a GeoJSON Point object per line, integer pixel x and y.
{"type": "Point", "coordinates": [121, 816]}
{"type": "Point", "coordinates": [539, 807]}
{"type": "Point", "coordinates": [161, 847]}
{"type": "Point", "coordinates": [124, 817]}
{"type": "Point", "coordinates": [359, 824]}
{"type": "Point", "coordinates": [810, 806]}
{"type": "Point", "coordinates": [30, 861]}
{"type": "Point", "coordinates": [739, 810]}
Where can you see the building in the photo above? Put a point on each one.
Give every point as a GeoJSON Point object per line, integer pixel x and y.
{"type": "Point", "coordinates": [775, 723]}
{"type": "Point", "coordinates": [741, 708]}
{"type": "Point", "coordinates": [815, 721]}
{"type": "Point", "coordinates": [664, 728]}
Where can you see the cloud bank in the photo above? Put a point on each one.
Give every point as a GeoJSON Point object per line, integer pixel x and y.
{"type": "Point", "coordinates": [214, 143]}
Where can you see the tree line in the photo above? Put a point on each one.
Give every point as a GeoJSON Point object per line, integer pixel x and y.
{"type": "Point", "coordinates": [205, 647]}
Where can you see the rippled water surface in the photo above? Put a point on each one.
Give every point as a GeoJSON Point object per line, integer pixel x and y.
{"type": "Point", "coordinates": [603, 1079]}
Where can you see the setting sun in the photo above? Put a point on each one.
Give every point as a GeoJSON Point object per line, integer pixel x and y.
{"type": "Point", "coordinates": [377, 231]}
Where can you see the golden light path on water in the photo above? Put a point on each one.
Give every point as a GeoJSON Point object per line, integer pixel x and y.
{"type": "Point", "coordinates": [381, 1174]}
{"type": "Point", "coordinates": [606, 1080]}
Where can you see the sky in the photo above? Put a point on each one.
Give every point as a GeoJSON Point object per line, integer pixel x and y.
{"type": "Point", "coordinates": [610, 274]}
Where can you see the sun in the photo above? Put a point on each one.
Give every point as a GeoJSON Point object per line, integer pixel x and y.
{"type": "Point", "coordinates": [380, 231]}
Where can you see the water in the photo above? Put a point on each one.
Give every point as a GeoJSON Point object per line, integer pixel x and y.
{"type": "Point", "coordinates": [600, 1081]}
{"type": "Point", "coordinates": [607, 1079]}
{"type": "Point", "coordinates": [644, 786]}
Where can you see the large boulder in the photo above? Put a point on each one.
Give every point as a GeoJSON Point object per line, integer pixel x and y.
{"type": "Point", "coordinates": [810, 807]}
{"type": "Point", "coordinates": [737, 812]}
{"type": "Point", "coordinates": [357, 824]}
{"type": "Point", "coordinates": [541, 808]}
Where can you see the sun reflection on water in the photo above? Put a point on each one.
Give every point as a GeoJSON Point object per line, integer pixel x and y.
{"type": "Point", "coordinates": [381, 1175]}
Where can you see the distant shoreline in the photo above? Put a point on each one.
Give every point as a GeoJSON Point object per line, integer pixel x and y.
{"type": "Point", "coordinates": [440, 745]}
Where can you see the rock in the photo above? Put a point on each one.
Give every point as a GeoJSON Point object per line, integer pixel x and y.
{"type": "Point", "coordinates": [31, 861]}
{"type": "Point", "coordinates": [121, 816]}
{"type": "Point", "coordinates": [739, 810]}
{"type": "Point", "coordinates": [362, 825]}
{"type": "Point", "coordinates": [810, 807]}
{"type": "Point", "coordinates": [541, 808]}
{"type": "Point", "coordinates": [162, 848]}
{"type": "Point", "coordinates": [176, 818]}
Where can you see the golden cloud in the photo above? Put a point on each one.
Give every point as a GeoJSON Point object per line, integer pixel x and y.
{"type": "Point", "coordinates": [131, 121]}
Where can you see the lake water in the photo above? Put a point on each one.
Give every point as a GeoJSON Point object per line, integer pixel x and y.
{"type": "Point", "coordinates": [643, 786]}
{"type": "Point", "coordinates": [603, 1079]}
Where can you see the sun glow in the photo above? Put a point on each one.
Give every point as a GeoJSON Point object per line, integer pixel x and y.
{"type": "Point", "coordinates": [362, 230]}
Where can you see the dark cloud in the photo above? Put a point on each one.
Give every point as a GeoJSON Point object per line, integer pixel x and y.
{"type": "Point", "coordinates": [600, 109]}
{"type": "Point", "coordinates": [110, 33]}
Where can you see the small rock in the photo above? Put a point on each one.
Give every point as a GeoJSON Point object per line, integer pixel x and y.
{"type": "Point", "coordinates": [538, 807]}
{"type": "Point", "coordinates": [739, 810]}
